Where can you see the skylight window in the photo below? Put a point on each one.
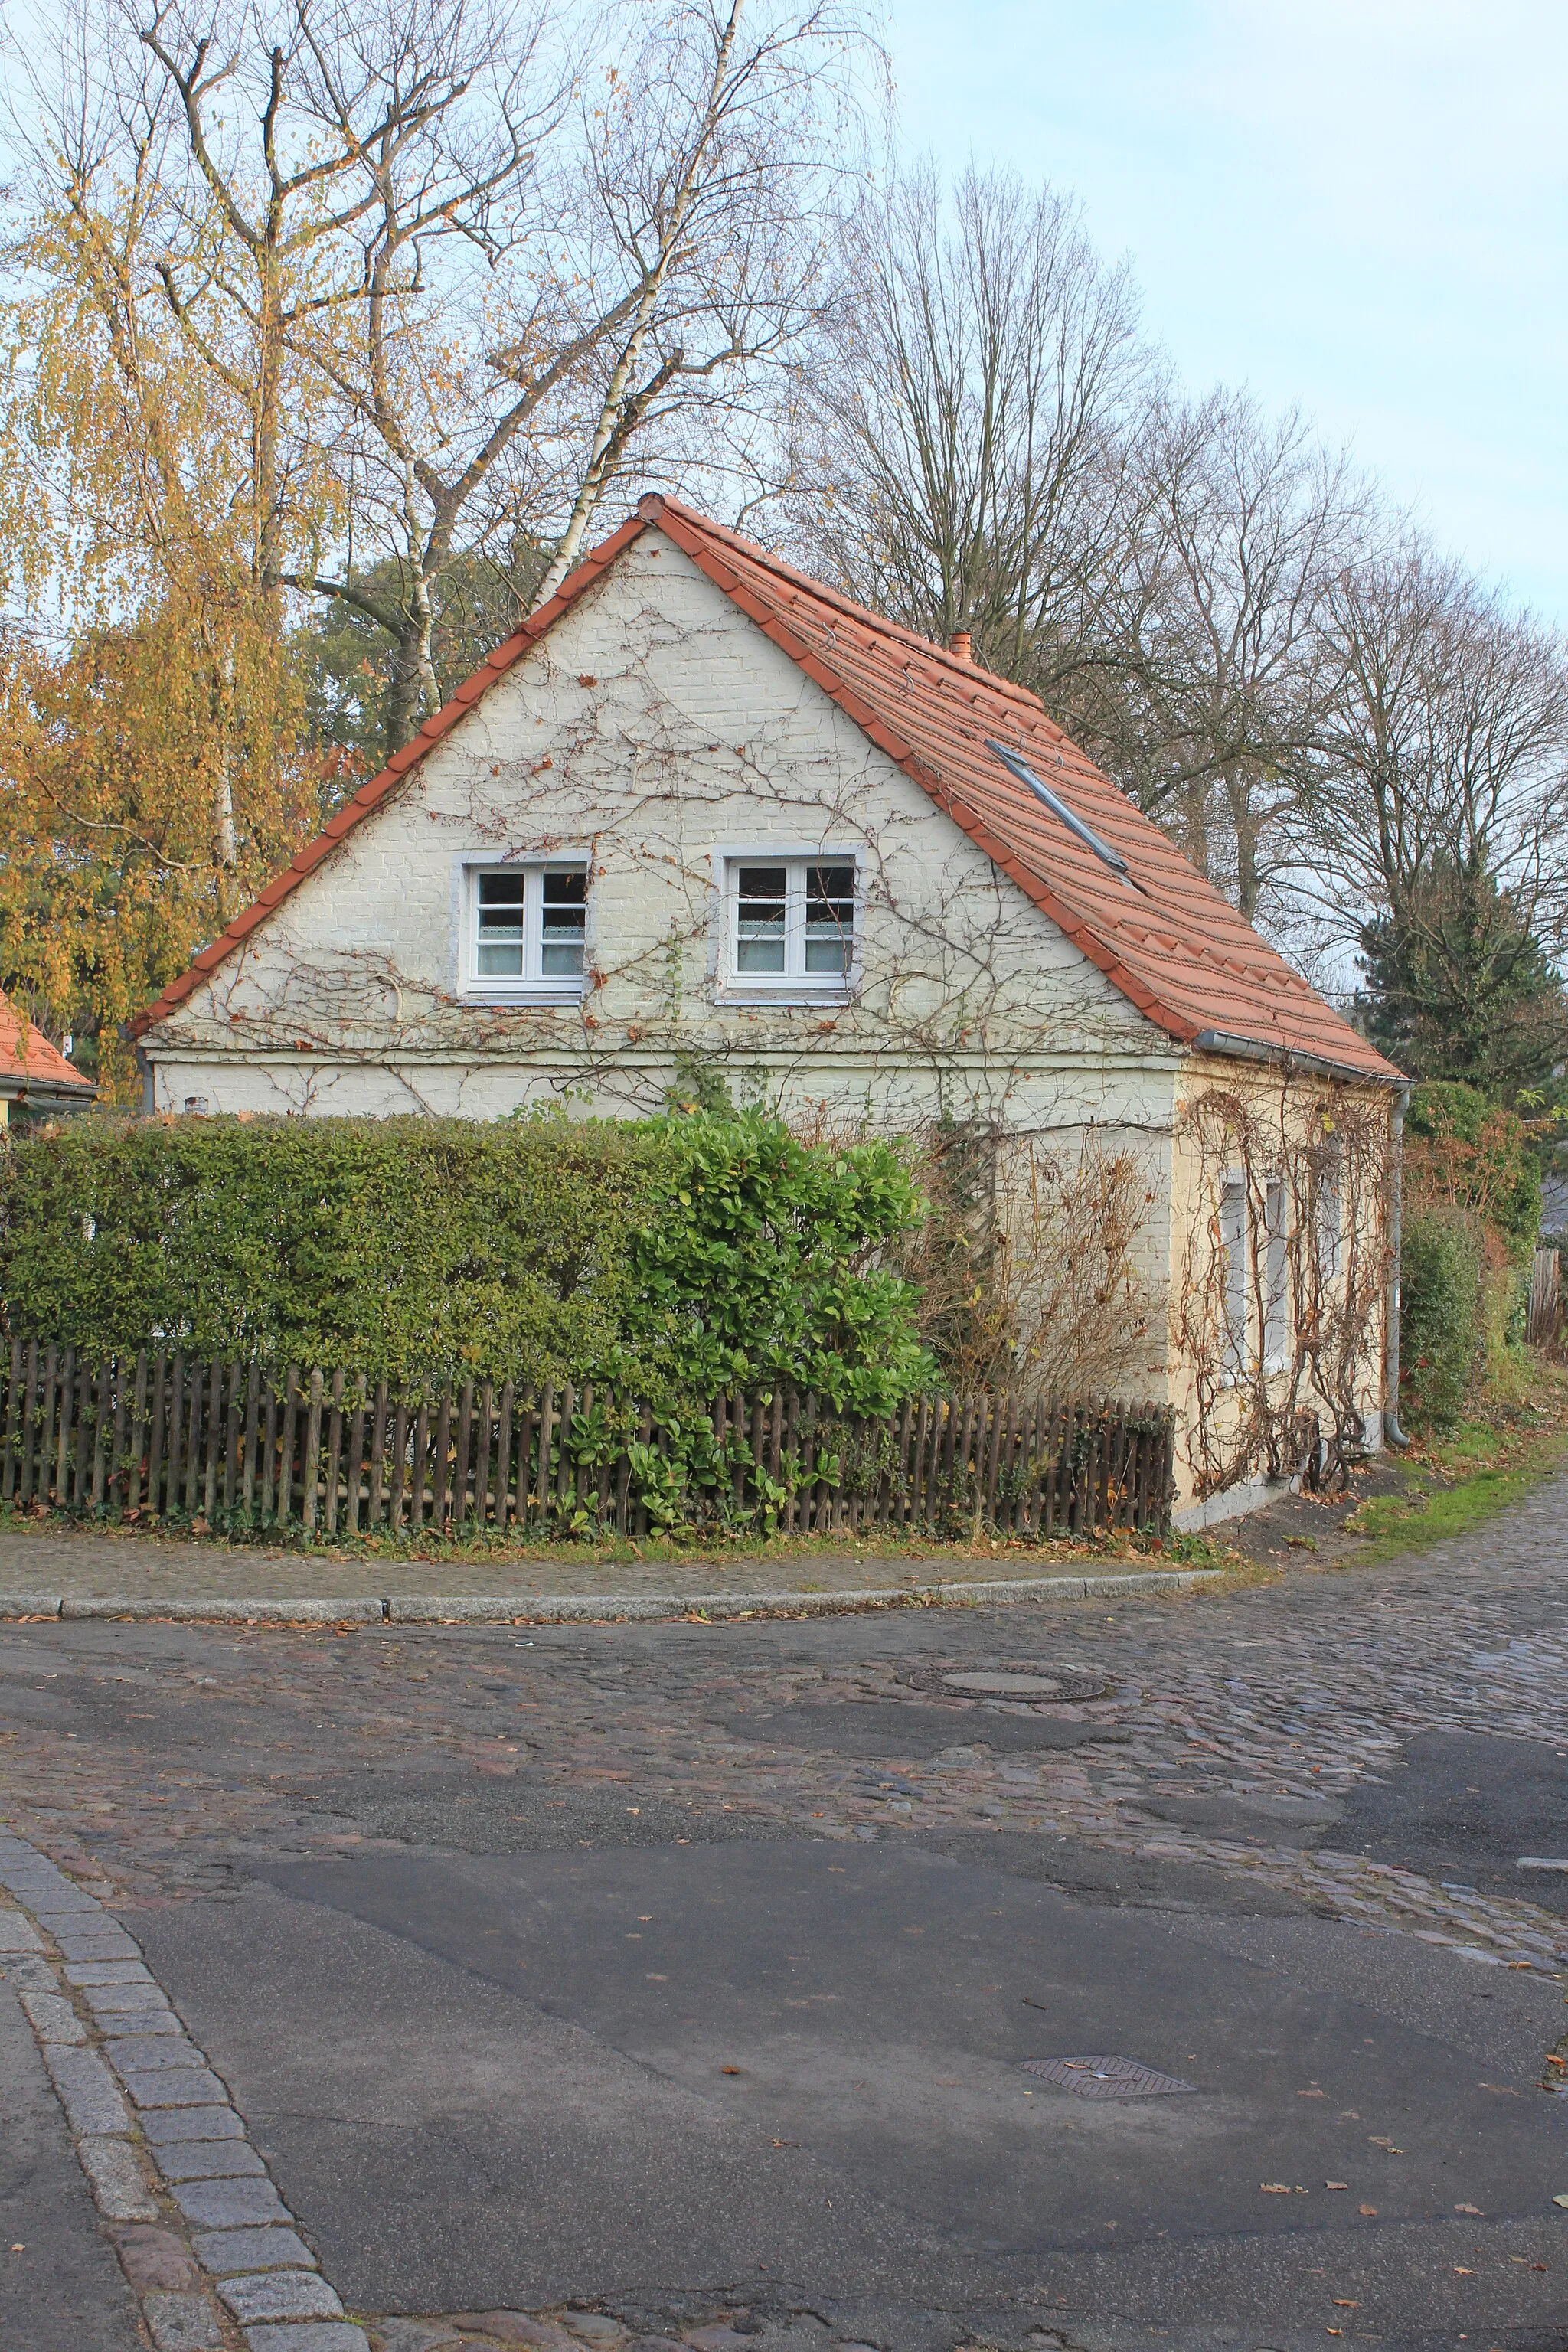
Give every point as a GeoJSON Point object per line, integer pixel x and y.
{"type": "Point", "coordinates": [1059, 809]}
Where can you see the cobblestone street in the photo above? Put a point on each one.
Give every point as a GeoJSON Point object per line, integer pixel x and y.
{"type": "Point", "coordinates": [1375, 1748]}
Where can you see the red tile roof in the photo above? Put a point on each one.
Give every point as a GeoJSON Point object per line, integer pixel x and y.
{"type": "Point", "coordinates": [1173, 946]}
{"type": "Point", "coordinates": [27, 1060]}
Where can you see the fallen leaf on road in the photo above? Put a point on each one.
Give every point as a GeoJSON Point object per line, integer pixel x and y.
{"type": "Point", "coordinates": [1467, 2209]}
{"type": "Point", "coordinates": [1369, 2208]}
{"type": "Point", "coordinates": [1336, 2184]}
{"type": "Point", "coordinates": [1282, 2188]}
{"type": "Point", "coordinates": [1344, 2303]}
{"type": "Point", "coordinates": [1560, 2201]}
{"type": "Point", "coordinates": [1460, 2272]}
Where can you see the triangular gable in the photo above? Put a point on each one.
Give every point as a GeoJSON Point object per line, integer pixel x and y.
{"type": "Point", "coordinates": [1164, 936]}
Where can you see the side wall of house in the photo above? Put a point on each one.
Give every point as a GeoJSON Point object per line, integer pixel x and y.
{"type": "Point", "coordinates": [1279, 1276]}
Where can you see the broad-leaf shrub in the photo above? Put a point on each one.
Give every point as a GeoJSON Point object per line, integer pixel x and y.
{"type": "Point", "coordinates": [759, 1264]}
{"type": "Point", "coordinates": [1465, 1152]}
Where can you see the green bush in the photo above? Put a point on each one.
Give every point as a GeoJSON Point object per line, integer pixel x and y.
{"type": "Point", "coordinates": [1441, 1267]}
{"type": "Point", "coordinates": [760, 1264]}
{"type": "Point", "coordinates": [1462, 1149]}
{"type": "Point", "coordinates": [670, 1258]}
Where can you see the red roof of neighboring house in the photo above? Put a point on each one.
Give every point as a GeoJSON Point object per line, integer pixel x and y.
{"type": "Point", "coordinates": [28, 1060]}
{"type": "Point", "coordinates": [1164, 936]}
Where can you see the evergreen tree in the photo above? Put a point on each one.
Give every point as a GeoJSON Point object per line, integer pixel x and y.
{"type": "Point", "coordinates": [1456, 986]}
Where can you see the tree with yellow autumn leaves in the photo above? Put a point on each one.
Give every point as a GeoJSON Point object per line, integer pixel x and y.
{"type": "Point", "coordinates": [328, 308]}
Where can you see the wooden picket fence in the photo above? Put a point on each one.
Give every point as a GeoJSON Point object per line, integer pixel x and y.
{"type": "Point", "coordinates": [160, 1435]}
{"type": "Point", "coordinates": [1543, 1314]}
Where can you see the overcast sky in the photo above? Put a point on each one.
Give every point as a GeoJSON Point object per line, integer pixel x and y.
{"type": "Point", "coordinates": [1356, 206]}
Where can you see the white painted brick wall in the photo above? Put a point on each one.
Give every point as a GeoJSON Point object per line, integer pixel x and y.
{"type": "Point", "coordinates": [694, 731]}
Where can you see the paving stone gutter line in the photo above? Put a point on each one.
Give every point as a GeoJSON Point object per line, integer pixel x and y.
{"type": "Point", "coordinates": [210, 2251]}
{"type": "Point", "coordinates": [601, 1607]}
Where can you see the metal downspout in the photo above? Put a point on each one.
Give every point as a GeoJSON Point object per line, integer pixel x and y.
{"type": "Point", "coordinates": [1393, 1434]}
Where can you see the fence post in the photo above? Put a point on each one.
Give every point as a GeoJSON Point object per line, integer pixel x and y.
{"type": "Point", "coordinates": [395, 1508]}
{"type": "Point", "coordinates": [26, 1438]}
{"type": "Point", "coordinates": [66, 1423]}
{"type": "Point", "coordinates": [421, 1464]}
{"type": "Point", "coordinates": [440, 1506]}
{"type": "Point", "coordinates": [283, 1499]}
{"type": "Point", "coordinates": [1545, 1315]}
{"type": "Point", "coordinates": [503, 1454]}
{"type": "Point", "coordinates": [312, 1454]}
{"type": "Point", "coordinates": [377, 1480]}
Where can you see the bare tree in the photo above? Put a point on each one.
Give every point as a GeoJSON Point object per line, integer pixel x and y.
{"type": "Point", "coordinates": [449, 262]}
{"type": "Point", "coordinates": [714, 183]}
{"type": "Point", "coordinates": [664, 248]}
{"type": "Point", "coordinates": [1215, 661]}
{"type": "Point", "coordinates": [1434, 833]}
{"type": "Point", "coordinates": [958, 442]}
{"type": "Point", "coordinates": [987, 445]}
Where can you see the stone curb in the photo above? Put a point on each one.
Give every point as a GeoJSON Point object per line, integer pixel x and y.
{"type": "Point", "coordinates": [232, 2222]}
{"type": "Point", "coordinates": [589, 1608]}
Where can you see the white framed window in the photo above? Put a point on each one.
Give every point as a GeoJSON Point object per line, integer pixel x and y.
{"type": "Point", "coordinates": [1233, 1224]}
{"type": "Point", "coordinates": [525, 931]}
{"type": "Point", "coordinates": [1276, 1280]}
{"type": "Point", "coordinates": [791, 922]}
{"type": "Point", "coordinates": [1329, 1219]}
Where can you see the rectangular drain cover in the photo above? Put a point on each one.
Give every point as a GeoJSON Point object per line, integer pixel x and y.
{"type": "Point", "coordinates": [1105, 2078]}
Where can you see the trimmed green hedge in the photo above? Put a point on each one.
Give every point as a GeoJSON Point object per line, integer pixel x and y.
{"type": "Point", "coordinates": [671, 1256]}
{"type": "Point", "coordinates": [1441, 1261]}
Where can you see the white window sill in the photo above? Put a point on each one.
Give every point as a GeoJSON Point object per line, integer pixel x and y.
{"type": "Point", "coordinates": [502, 992]}
{"type": "Point", "coordinates": [783, 993]}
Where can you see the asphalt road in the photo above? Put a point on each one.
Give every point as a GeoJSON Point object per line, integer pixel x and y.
{"type": "Point", "coordinates": [678, 1972]}
{"type": "Point", "coordinates": [61, 2289]}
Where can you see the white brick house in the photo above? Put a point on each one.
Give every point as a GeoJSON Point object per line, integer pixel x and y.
{"type": "Point", "coordinates": [702, 810]}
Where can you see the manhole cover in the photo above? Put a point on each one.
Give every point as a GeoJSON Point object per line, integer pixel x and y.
{"type": "Point", "coordinates": [1027, 1685]}
{"type": "Point", "coordinates": [1105, 2078]}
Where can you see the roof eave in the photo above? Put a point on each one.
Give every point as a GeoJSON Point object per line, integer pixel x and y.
{"type": "Point", "coordinates": [47, 1094]}
{"type": "Point", "coordinates": [1254, 1049]}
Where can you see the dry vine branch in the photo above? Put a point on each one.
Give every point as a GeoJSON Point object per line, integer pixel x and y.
{"type": "Point", "coordinates": [1279, 1301]}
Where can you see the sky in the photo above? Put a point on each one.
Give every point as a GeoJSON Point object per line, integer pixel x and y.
{"type": "Point", "coordinates": [1358, 207]}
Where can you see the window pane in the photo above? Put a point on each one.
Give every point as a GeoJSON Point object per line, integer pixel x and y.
{"type": "Point", "coordinates": [760, 919]}
{"type": "Point", "coordinates": [1233, 1240]}
{"type": "Point", "coordinates": [1277, 1272]}
{"type": "Point", "coordinates": [829, 917]}
{"type": "Point", "coordinates": [565, 915]}
{"type": "Point", "coordinates": [500, 926]}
